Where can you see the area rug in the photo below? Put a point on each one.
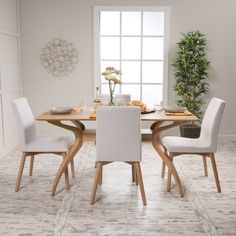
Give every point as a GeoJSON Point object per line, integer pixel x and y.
{"type": "Point", "coordinates": [118, 209]}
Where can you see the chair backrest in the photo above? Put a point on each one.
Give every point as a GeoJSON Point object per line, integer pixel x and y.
{"type": "Point", "coordinates": [211, 122]}
{"type": "Point", "coordinates": [122, 99]}
{"type": "Point", "coordinates": [118, 134]}
{"type": "Point", "coordinates": [25, 120]}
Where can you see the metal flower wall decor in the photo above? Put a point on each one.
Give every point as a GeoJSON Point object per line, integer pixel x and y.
{"type": "Point", "coordinates": [59, 58]}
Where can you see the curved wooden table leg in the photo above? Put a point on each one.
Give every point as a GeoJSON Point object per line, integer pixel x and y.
{"type": "Point", "coordinates": [163, 166]}
{"type": "Point", "coordinates": [156, 142]}
{"type": "Point", "coordinates": [78, 132]}
{"type": "Point", "coordinates": [72, 165]}
{"type": "Point", "coordinates": [163, 169]}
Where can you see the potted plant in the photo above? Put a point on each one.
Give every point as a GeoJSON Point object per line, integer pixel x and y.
{"type": "Point", "coordinates": [191, 71]}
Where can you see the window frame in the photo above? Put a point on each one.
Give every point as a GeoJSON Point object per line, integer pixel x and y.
{"type": "Point", "coordinates": [96, 41]}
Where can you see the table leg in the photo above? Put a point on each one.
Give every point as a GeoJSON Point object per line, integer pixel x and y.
{"type": "Point", "coordinates": [156, 142]}
{"type": "Point", "coordinates": [163, 170]}
{"type": "Point", "coordinates": [78, 132]}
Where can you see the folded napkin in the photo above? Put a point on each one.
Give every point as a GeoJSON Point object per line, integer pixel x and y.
{"type": "Point", "coordinates": [186, 113]}
{"type": "Point", "coordinates": [93, 115]}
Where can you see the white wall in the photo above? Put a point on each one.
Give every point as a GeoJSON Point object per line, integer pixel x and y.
{"type": "Point", "coordinates": [10, 86]}
{"type": "Point", "coordinates": [43, 20]}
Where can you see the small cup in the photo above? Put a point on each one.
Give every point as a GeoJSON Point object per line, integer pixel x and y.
{"type": "Point", "coordinates": [158, 108]}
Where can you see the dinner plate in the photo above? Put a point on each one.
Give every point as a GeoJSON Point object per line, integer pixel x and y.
{"type": "Point", "coordinates": [174, 109]}
{"type": "Point", "coordinates": [61, 110]}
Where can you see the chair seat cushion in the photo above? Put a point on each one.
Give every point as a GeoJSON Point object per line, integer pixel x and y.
{"type": "Point", "coordinates": [186, 145]}
{"type": "Point", "coordinates": [49, 144]}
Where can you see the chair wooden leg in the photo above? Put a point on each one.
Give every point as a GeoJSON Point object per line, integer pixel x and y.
{"type": "Point", "coordinates": [163, 170]}
{"type": "Point", "coordinates": [136, 176]}
{"type": "Point", "coordinates": [205, 165]}
{"type": "Point", "coordinates": [213, 162]}
{"type": "Point", "coordinates": [67, 182]}
{"type": "Point", "coordinates": [140, 181]}
{"type": "Point", "coordinates": [169, 175]}
{"type": "Point", "coordinates": [133, 173]}
{"type": "Point", "coordinates": [31, 165]}
{"type": "Point", "coordinates": [95, 183]}
{"type": "Point", "coordinates": [20, 172]}
{"type": "Point", "coordinates": [72, 168]}
{"type": "Point", "coordinates": [100, 177]}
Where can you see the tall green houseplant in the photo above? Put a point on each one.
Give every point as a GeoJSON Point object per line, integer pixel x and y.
{"type": "Point", "coordinates": [191, 71]}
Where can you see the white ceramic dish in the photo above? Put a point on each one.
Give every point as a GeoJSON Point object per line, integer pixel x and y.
{"type": "Point", "coordinates": [61, 110]}
{"type": "Point", "coordinates": [174, 109]}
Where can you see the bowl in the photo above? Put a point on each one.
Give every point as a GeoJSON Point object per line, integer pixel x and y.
{"type": "Point", "coordinates": [174, 109]}
{"type": "Point", "coordinates": [61, 110]}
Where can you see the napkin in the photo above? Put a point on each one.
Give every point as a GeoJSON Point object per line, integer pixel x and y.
{"type": "Point", "coordinates": [186, 113]}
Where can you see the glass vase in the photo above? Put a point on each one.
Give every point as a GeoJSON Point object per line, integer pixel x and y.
{"type": "Point", "coordinates": [111, 100]}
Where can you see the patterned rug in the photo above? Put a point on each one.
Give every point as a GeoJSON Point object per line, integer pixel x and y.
{"type": "Point", "coordinates": [118, 209]}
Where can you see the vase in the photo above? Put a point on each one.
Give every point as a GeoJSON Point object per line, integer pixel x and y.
{"type": "Point", "coordinates": [111, 100]}
{"type": "Point", "coordinates": [190, 131]}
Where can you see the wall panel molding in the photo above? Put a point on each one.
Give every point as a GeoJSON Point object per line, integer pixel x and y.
{"type": "Point", "coordinates": [10, 82]}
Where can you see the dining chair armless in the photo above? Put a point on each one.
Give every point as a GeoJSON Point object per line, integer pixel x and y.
{"type": "Point", "coordinates": [120, 99]}
{"type": "Point", "coordinates": [205, 145]}
{"type": "Point", "coordinates": [31, 144]}
{"type": "Point", "coordinates": [118, 138]}
{"type": "Point", "coordinates": [123, 99]}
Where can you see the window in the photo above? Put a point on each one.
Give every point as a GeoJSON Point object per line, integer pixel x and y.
{"type": "Point", "coordinates": [135, 41]}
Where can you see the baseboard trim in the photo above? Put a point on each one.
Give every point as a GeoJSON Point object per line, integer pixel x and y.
{"type": "Point", "coordinates": [228, 135]}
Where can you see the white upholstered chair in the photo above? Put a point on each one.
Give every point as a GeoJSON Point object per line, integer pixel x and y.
{"type": "Point", "coordinates": [122, 99]}
{"type": "Point", "coordinates": [118, 138]}
{"type": "Point", "coordinates": [31, 144]}
{"type": "Point", "coordinates": [205, 145]}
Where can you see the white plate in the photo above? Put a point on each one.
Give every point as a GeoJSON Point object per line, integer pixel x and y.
{"type": "Point", "coordinates": [174, 109]}
{"type": "Point", "coordinates": [61, 110]}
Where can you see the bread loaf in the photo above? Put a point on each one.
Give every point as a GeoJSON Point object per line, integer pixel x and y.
{"type": "Point", "coordinates": [138, 103]}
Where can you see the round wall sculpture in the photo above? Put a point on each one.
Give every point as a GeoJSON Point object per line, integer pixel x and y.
{"type": "Point", "coordinates": [59, 58]}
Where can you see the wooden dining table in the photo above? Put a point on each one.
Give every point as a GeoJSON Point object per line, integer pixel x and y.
{"type": "Point", "coordinates": [160, 122]}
